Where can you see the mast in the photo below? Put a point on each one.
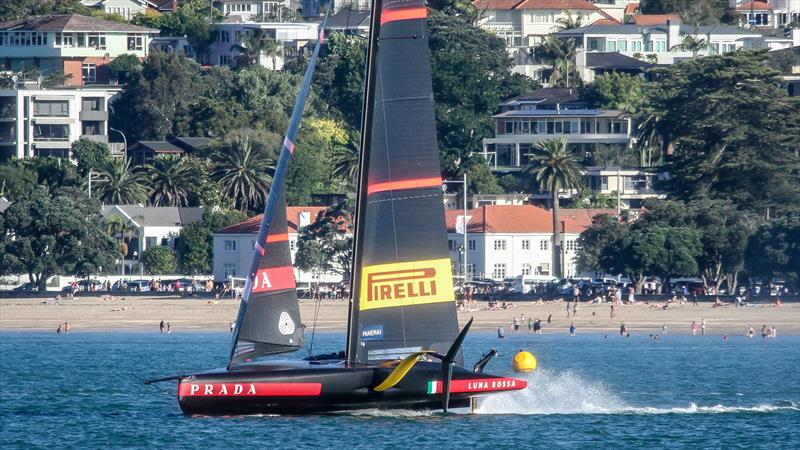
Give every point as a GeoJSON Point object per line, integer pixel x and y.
{"type": "Point", "coordinates": [274, 325]}
{"type": "Point", "coordinates": [363, 167]}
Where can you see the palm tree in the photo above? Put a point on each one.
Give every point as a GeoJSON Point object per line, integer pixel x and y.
{"type": "Point", "coordinates": [553, 168]}
{"type": "Point", "coordinates": [243, 171]}
{"type": "Point", "coordinates": [558, 53]}
{"type": "Point", "coordinates": [691, 44]}
{"type": "Point", "coordinates": [119, 184]}
{"type": "Point", "coordinates": [171, 181]}
{"type": "Point", "coordinates": [569, 22]}
{"type": "Point", "coordinates": [273, 49]}
{"type": "Point", "coordinates": [256, 43]}
{"type": "Point", "coordinates": [121, 229]}
{"type": "Point", "coordinates": [345, 162]}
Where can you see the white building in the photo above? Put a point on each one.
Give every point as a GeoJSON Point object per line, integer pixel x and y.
{"type": "Point", "coordinates": [233, 246]}
{"type": "Point", "coordinates": [229, 43]}
{"type": "Point", "coordinates": [662, 41]}
{"type": "Point", "coordinates": [525, 23]}
{"type": "Point", "coordinates": [79, 46]}
{"type": "Point", "coordinates": [154, 226]}
{"type": "Point", "coordinates": [45, 122]}
{"type": "Point", "coordinates": [769, 14]}
{"type": "Point", "coordinates": [512, 240]}
{"type": "Point", "coordinates": [125, 8]}
{"type": "Point", "coordinates": [247, 10]}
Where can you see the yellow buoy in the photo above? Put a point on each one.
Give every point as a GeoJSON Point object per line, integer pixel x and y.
{"type": "Point", "coordinates": [524, 362]}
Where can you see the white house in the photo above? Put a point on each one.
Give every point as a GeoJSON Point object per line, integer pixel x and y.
{"type": "Point", "coordinates": [44, 122]}
{"type": "Point", "coordinates": [154, 226]}
{"type": "Point", "coordinates": [247, 10]}
{"type": "Point", "coordinates": [511, 240]}
{"type": "Point", "coordinates": [229, 41]}
{"type": "Point", "coordinates": [125, 8]}
{"type": "Point", "coordinates": [78, 46]}
{"type": "Point", "coordinates": [233, 246]}
{"type": "Point", "coordinates": [765, 14]}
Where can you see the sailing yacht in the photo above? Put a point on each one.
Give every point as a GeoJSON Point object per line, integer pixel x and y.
{"type": "Point", "coordinates": [403, 347]}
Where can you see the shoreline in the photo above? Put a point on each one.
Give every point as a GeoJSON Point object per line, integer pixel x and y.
{"type": "Point", "coordinates": [184, 314]}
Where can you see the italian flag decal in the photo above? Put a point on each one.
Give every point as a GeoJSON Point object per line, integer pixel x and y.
{"type": "Point", "coordinates": [478, 385]}
{"type": "Point", "coordinates": [434, 387]}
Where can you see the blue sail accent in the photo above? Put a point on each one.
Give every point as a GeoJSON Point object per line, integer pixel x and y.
{"type": "Point", "coordinates": [276, 200]}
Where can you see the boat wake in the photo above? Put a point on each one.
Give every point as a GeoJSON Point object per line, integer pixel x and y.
{"type": "Point", "coordinates": [569, 393]}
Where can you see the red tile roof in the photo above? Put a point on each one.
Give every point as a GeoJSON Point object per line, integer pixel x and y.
{"type": "Point", "coordinates": [496, 4]}
{"type": "Point", "coordinates": [631, 8]}
{"type": "Point", "coordinates": [557, 4]}
{"type": "Point", "coordinates": [522, 219]}
{"type": "Point", "coordinates": [606, 21]}
{"type": "Point", "coordinates": [653, 19]}
{"type": "Point", "coordinates": [251, 225]}
{"type": "Point", "coordinates": [756, 6]}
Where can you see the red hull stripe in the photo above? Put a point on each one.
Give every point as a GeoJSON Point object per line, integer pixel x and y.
{"type": "Point", "coordinates": [404, 184]}
{"type": "Point", "coordinates": [391, 15]}
{"type": "Point", "coordinates": [483, 385]}
{"type": "Point", "coordinates": [277, 237]}
{"type": "Point", "coordinates": [274, 279]}
{"type": "Point", "coordinates": [249, 389]}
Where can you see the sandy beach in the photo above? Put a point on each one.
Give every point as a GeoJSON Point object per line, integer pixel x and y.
{"type": "Point", "coordinates": [185, 314]}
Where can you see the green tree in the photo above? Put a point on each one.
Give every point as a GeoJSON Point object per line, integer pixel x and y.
{"type": "Point", "coordinates": [666, 252]}
{"type": "Point", "coordinates": [60, 235]}
{"type": "Point", "coordinates": [691, 11]}
{"type": "Point", "coordinates": [22, 9]}
{"type": "Point", "coordinates": [52, 172]}
{"type": "Point", "coordinates": [774, 249]}
{"type": "Point", "coordinates": [123, 66]}
{"type": "Point", "coordinates": [559, 54]}
{"type": "Point", "coordinates": [691, 44]}
{"type": "Point", "coordinates": [159, 260]}
{"type": "Point", "coordinates": [725, 137]}
{"type": "Point", "coordinates": [256, 43]}
{"type": "Point", "coordinates": [91, 155]}
{"type": "Point", "coordinates": [195, 246]}
{"type": "Point", "coordinates": [323, 246]}
{"type": "Point", "coordinates": [598, 245]}
{"type": "Point", "coordinates": [156, 96]}
{"type": "Point", "coordinates": [118, 183]}
{"type": "Point", "coordinates": [616, 91]}
{"type": "Point", "coordinates": [171, 181]}
{"type": "Point", "coordinates": [553, 168]}
{"type": "Point", "coordinates": [339, 78]}
{"type": "Point", "coordinates": [16, 180]}
{"type": "Point", "coordinates": [243, 170]}
{"type": "Point", "coordinates": [481, 180]}
{"type": "Point", "coordinates": [191, 20]}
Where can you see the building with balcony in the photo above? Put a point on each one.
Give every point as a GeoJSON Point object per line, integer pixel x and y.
{"type": "Point", "coordinates": [662, 42]}
{"type": "Point", "coordinates": [78, 46]}
{"type": "Point", "coordinates": [525, 23]}
{"type": "Point", "coordinates": [229, 44]}
{"type": "Point", "coordinates": [45, 122]}
{"type": "Point", "coordinates": [765, 14]}
{"type": "Point", "coordinates": [124, 8]}
{"type": "Point", "coordinates": [247, 10]}
{"type": "Point", "coordinates": [547, 114]}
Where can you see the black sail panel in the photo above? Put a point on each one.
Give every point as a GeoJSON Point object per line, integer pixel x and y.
{"type": "Point", "coordinates": [272, 323]}
{"type": "Point", "coordinates": [404, 294]}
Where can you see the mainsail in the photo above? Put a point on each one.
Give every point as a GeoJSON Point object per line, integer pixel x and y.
{"type": "Point", "coordinates": [403, 299]}
{"type": "Point", "coordinates": [269, 315]}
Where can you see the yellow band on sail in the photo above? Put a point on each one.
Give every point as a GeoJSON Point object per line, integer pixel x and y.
{"type": "Point", "coordinates": [406, 284]}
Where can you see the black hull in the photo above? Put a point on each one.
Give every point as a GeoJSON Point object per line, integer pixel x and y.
{"type": "Point", "coordinates": [301, 387]}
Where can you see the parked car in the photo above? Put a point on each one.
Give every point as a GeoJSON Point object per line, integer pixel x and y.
{"type": "Point", "coordinates": [90, 285]}
{"type": "Point", "coordinates": [27, 287]}
{"type": "Point", "coordinates": [139, 285]}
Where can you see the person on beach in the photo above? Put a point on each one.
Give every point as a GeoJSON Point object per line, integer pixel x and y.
{"type": "Point", "coordinates": [58, 330]}
{"type": "Point", "coordinates": [694, 298]}
{"type": "Point", "coordinates": [516, 325]}
{"type": "Point", "coordinates": [612, 311]}
{"type": "Point", "coordinates": [530, 325]}
{"type": "Point", "coordinates": [623, 329]}
{"type": "Point", "coordinates": [631, 298]}
{"type": "Point", "coordinates": [694, 328]}
{"type": "Point", "coordinates": [572, 329]}
{"type": "Point", "coordinates": [500, 333]}
{"type": "Point", "coordinates": [66, 327]}
{"type": "Point", "coordinates": [618, 296]}
{"type": "Point", "coordinates": [537, 326]}
{"type": "Point", "coordinates": [576, 294]}
{"type": "Point", "coordinates": [664, 329]}
{"type": "Point", "coordinates": [549, 318]}
{"type": "Point", "coordinates": [751, 332]}
{"type": "Point", "coordinates": [233, 326]}
{"type": "Point", "coordinates": [169, 328]}
{"type": "Point", "coordinates": [575, 310]}
{"type": "Point", "coordinates": [161, 326]}
{"type": "Point", "coordinates": [702, 327]}
{"type": "Point", "coordinates": [764, 331]}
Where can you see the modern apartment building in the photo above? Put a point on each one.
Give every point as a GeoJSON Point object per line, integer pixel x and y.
{"type": "Point", "coordinates": [79, 46]}
{"type": "Point", "coordinates": [546, 114]}
{"type": "Point", "coordinates": [44, 122]}
{"type": "Point", "coordinates": [247, 10]}
{"type": "Point", "coordinates": [229, 43]}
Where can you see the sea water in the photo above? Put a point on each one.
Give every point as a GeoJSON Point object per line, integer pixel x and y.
{"type": "Point", "coordinates": [84, 389]}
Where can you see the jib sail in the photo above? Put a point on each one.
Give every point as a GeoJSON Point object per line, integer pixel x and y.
{"type": "Point", "coordinates": [403, 298]}
{"type": "Point", "coordinates": [269, 315]}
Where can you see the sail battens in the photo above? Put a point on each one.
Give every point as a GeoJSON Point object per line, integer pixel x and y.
{"type": "Point", "coordinates": [408, 13]}
{"type": "Point", "coordinates": [404, 184]}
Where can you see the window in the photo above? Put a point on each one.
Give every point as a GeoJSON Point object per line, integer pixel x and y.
{"type": "Point", "coordinates": [51, 108]}
{"type": "Point", "coordinates": [150, 242]}
{"type": "Point", "coordinates": [88, 73]}
{"type": "Point", "coordinates": [230, 246]}
{"type": "Point", "coordinates": [230, 270]}
{"type": "Point", "coordinates": [98, 41]}
{"type": "Point", "coordinates": [471, 245]}
{"type": "Point", "coordinates": [544, 269]}
{"type": "Point", "coordinates": [509, 127]}
{"type": "Point", "coordinates": [451, 245]}
{"type": "Point", "coordinates": [471, 270]}
{"type": "Point", "coordinates": [500, 244]}
{"type": "Point", "coordinates": [660, 46]}
{"type": "Point", "coordinates": [224, 60]}
{"type": "Point", "coordinates": [92, 104]}
{"type": "Point", "coordinates": [135, 42]}
{"type": "Point", "coordinates": [92, 128]}
{"type": "Point", "coordinates": [636, 46]}
{"type": "Point", "coordinates": [526, 269]}
{"type": "Point", "coordinates": [570, 246]}
{"type": "Point", "coordinates": [51, 132]}
{"type": "Point", "coordinates": [526, 244]}
{"type": "Point", "coordinates": [499, 271]}
{"type": "Point", "coordinates": [544, 244]}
